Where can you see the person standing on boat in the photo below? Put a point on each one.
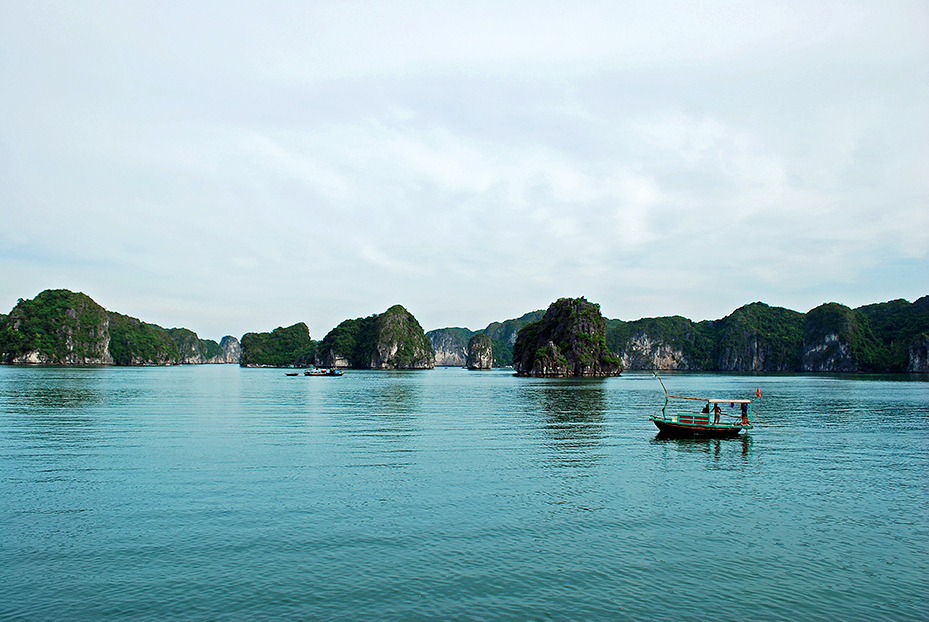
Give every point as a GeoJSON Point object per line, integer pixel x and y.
{"type": "Point", "coordinates": [744, 413]}
{"type": "Point", "coordinates": [715, 413]}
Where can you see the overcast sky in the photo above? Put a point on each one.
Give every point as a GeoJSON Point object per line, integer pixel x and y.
{"type": "Point", "coordinates": [237, 166]}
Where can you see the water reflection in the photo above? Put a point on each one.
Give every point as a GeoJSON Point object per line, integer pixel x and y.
{"type": "Point", "coordinates": [54, 405]}
{"type": "Point", "coordinates": [718, 450]}
{"type": "Point", "coordinates": [573, 421]}
{"type": "Point", "coordinates": [385, 418]}
{"type": "Point", "coordinates": [397, 397]}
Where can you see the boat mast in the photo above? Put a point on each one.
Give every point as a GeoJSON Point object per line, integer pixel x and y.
{"type": "Point", "coordinates": [664, 408]}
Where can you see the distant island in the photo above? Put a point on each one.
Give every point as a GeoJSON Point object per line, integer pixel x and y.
{"type": "Point", "coordinates": [884, 337]}
{"type": "Point", "coordinates": [391, 340]}
{"type": "Point", "coordinates": [61, 327]}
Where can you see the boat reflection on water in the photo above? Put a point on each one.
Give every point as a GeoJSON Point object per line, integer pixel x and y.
{"type": "Point", "coordinates": [705, 445]}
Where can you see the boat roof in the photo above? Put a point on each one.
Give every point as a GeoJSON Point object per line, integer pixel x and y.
{"type": "Point", "coordinates": [711, 400]}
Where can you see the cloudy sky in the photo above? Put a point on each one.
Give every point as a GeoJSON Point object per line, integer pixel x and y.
{"type": "Point", "coordinates": [236, 166]}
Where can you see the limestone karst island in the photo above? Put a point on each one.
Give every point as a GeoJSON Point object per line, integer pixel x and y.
{"type": "Point", "coordinates": [570, 338]}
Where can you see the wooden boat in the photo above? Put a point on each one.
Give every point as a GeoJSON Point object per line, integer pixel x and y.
{"type": "Point", "coordinates": [292, 373]}
{"type": "Point", "coordinates": [322, 371]}
{"type": "Point", "coordinates": [676, 420]}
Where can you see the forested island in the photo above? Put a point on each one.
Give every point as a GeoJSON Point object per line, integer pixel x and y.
{"type": "Point", "coordinates": [68, 328]}
{"type": "Point", "coordinates": [61, 327]}
{"type": "Point", "coordinates": [390, 340]}
{"type": "Point", "coordinates": [884, 337]}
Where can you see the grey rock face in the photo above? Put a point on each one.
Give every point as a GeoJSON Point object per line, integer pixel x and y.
{"type": "Point", "coordinates": [645, 352]}
{"type": "Point", "coordinates": [232, 350]}
{"type": "Point", "coordinates": [830, 354]}
{"type": "Point", "coordinates": [450, 346]}
{"type": "Point", "coordinates": [480, 352]}
{"type": "Point", "coordinates": [919, 355]}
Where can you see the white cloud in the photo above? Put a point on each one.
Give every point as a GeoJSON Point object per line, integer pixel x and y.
{"type": "Point", "coordinates": [317, 162]}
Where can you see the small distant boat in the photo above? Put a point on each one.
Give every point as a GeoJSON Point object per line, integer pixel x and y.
{"type": "Point", "coordinates": [323, 371]}
{"type": "Point", "coordinates": [678, 421]}
{"type": "Point", "coordinates": [292, 373]}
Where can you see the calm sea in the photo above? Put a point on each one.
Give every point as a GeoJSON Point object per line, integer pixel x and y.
{"type": "Point", "coordinates": [220, 493]}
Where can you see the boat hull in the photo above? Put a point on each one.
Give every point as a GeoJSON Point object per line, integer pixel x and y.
{"type": "Point", "coordinates": [683, 430]}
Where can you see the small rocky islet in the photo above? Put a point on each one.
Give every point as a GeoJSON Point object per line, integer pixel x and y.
{"type": "Point", "coordinates": [480, 352]}
{"type": "Point", "coordinates": [569, 341]}
{"type": "Point", "coordinates": [570, 338]}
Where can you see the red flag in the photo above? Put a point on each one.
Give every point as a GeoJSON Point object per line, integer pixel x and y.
{"type": "Point", "coordinates": [758, 392]}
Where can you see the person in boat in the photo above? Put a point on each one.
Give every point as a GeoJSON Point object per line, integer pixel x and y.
{"type": "Point", "coordinates": [744, 413]}
{"type": "Point", "coordinates": [706, 409]}
{"type": "Point", "coordinates": [716, 413]}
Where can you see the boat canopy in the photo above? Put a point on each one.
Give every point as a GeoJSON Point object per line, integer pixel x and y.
{"type": "Point", "coordinates": [711, 400]}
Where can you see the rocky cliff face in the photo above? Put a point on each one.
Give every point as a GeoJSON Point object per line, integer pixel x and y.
{"type": "Point", "coordinates": [391, 340]}
{"type": "Point", "coordinates": [195, 351]}
{"type": "Point", "coordinates": [826, 354]}
{"type": "Point", "coordinates": [830, 333]}
{"type": "Point", "coordinates": [830, 338]}
{"type": "Point", "coordinates": [232, 350]}
{"type": "Point", "coordinates": [643, 351]}
{"type": "Point", "coordinates": [919, 355]}
{"type": "Point", "coordinates": [63, 327]}
{"type": "Point", "coordinates": [503, 336]}
{"type": "Point", "coordinates": [671, 343]}
{"type": "Point", "coordinates": [480, 352]}
{"type": "Point", "coordinates": [749, 354]}
{"type": "Point", "coordinates": [450, 346]}
{"type": "Point", "coordinates": [569, 340]}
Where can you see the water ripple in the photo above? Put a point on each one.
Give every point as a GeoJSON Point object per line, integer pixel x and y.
{"type": "Point", "coordinates": [223, 493]}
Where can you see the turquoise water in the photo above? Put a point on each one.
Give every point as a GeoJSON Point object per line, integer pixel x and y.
{"type": "Point", "coordinates": [216, 493]}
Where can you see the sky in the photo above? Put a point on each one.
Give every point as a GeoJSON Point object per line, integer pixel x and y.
{"type": "Point", "coordinates": [236, 166]}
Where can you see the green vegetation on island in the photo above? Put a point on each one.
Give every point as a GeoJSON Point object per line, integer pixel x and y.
{"type": "Point", "coordinates": [899, 326]}
{"type": "Point", "coordinates": [282, 347]}
{"type": "Point", "coordinates": [134, 342]}
{"type": "Point", "coordinates": [757, 337]}
{"type": "Point", "coordinates": [503, 336]}
{"type": "Point", "coordinates": [61, 327]}
{"type": "Point", "coordinates": [695, 343]}
{"type": "Point", "coordinates": [191, 348]}
{"type": "Point", "coordinates": [57, 327]}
